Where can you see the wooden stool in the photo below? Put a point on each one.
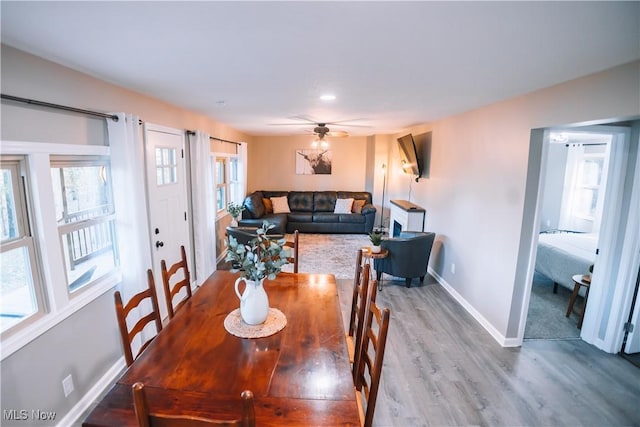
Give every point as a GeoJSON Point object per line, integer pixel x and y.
{"type": "Point", "coordinates": [579, 282]}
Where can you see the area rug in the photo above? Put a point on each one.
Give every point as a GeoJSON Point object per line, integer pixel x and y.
{"type": "Point", "coordinates": [329, 253]}
{"type": "Point", "coordinates": [546, 318]}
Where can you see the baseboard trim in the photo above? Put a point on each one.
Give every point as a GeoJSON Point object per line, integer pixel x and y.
{"type": "Point", "coordinates": [92, 395]}
{"type": "Point", "coordinates": [504, 342]}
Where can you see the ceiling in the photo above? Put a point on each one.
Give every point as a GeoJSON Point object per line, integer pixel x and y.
{"type": "Point", "coordinates": [391, 65]}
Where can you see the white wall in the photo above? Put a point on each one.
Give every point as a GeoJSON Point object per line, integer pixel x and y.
{"type": "Point", "coordinates": [474, 195]}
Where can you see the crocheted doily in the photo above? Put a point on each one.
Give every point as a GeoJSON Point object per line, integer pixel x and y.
{"type": "Point", "coordinates": [276, 321]}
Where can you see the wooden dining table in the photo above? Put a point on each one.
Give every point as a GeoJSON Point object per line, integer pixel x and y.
{"type": "Point", "coordinates": [299, 375]}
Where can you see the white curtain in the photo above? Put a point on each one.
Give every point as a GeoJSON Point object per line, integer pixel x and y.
{"type": "Point", "coordinates": [242, 152]}
{"type": "Point", "coordinates": [204, 212]}
{"type": "Point", "coordinates": [127, 168]}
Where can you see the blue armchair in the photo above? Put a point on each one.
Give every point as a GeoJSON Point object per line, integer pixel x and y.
{"type": "Point", "coordinates": [408, 256]}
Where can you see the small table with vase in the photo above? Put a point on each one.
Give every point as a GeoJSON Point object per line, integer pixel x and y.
{"type": "Point", "coordinates": [368, 254]}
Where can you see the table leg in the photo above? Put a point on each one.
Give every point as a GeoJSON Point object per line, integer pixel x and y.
{"type": "Point", "coordinates": [572, 300]}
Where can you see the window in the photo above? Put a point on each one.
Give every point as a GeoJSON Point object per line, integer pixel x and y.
{"type": "Point", "coordinates": [85, 217]}
{"type": "Point", "coordinates": [221, 184]}
{"type": "Point", "coordinates": [19, 285]}
{"type": "Point", "coordinates": [588, 185]}
{"type": "Point", "coordinates": [166, 166]}
{"type": "Point", "coordinates": [235, 186]}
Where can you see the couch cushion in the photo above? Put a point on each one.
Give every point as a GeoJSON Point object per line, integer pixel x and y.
{"type": "Point", "coordinates": [253, 204]}
{"type": "Point", "coordinates": [351, 218]}
{"type": "Point", "coordinates": [301, 201]}
{"type": "Point", "coordinates": [300, 217]}
{"type": "Point", "coordinates": [324, 201]}
{"type": "Point", "coordinates": [325, 217]}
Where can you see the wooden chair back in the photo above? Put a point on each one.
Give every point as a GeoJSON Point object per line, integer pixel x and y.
{"type": "Point", "coordinates": [146, 418]}
{"type": "Point", "coordinates": [171, 290]}
{"type": "Point", "coordinates": [361, 294]}
{"type": "Point", "coordinates": [293, 245]}
{"type": "Point", "coordinates": [122, 312]}
{"type": "Point", "coordinates": [368, 364]}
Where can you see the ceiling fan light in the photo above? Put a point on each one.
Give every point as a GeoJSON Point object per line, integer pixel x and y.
{"type": "Point", "coordinates": [314, 143]}
{"type": "Point", "coordinates": [324, 144]}
{"type": "Point", "coordinates": [328, 97]}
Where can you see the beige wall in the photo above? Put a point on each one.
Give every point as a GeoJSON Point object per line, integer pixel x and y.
{"type": "Point", "coordinates": [474, 195]}
{"type": "Point", "coordinates": [272, 164]}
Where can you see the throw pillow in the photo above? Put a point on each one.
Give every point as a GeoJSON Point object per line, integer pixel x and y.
{"type": "Point", "coordinates": [343, 206]}
{"type": "Point", "coordinates": [268, 206]}
{"type": "Point", "coordinates": [357, 206]}
{"type": "Point", "coordinates": [280, 205]}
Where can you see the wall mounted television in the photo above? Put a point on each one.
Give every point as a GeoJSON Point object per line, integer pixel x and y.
{"type": "Point", "coordinates": [409, 156]}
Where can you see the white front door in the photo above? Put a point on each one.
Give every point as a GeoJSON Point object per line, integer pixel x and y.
{"type": "Point", "coordinates": [167, 185]}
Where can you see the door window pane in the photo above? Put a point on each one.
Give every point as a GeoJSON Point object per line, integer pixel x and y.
{"type": "Point", "coordinates": [166, 166]}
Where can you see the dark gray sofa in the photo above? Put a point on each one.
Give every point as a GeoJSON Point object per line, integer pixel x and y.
{"type": "Point", "coordinates": [311, 212]}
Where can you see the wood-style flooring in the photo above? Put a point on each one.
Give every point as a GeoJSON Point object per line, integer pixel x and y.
{"type": "Point", "coordinates": [441, 368]}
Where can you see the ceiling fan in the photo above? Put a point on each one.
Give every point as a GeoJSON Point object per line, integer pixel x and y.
{"type": "Point", "coordinates": [321, 128]}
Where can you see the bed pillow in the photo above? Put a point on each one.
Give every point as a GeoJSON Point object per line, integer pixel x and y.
{"type": "Point", "coordinates": [280, 205]}
{"type": "Point", "coordinates": [343, 206]}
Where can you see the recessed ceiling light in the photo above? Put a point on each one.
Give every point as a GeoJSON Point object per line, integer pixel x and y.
{"type": "Point", "coordinates": [328, 97]}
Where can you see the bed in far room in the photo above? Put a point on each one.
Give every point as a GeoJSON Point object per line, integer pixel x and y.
{"type": "Point", "coordinates": [560, 255]}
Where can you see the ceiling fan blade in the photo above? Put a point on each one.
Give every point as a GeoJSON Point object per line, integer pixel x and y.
{"type": "Point", "coordinates": [338, 134]}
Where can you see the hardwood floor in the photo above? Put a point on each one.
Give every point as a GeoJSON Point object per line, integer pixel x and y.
{"type": "Point", "coordinates": [442, 368]}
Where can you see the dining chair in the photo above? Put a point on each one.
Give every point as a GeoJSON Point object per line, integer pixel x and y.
{"type": "Point", "coordinates": [146, 418]}
{"type": "Point", "coordinates": [169, 275]}
{"type": "Point", "coordinates": [358, 304]}
{"type": "Point", "coordinates": [368, 364]}
{"type": "Point", "coordinates": [122, 312]}
{"type": "Point", "coordinates": [294, 247]}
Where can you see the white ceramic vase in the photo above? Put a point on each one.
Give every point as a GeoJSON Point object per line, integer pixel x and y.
{"type": "Point", "coordinates": [375, 249]}
{"type": "Point", "coordinates": [254, 302]}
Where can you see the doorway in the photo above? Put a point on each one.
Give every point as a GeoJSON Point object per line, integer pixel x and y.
{"type": "Point", "coordinates": [618, 247]}
{"type": "Point", "coordinates": [168, 207]}
{"type": "Point", "coordinates": [571, 208]}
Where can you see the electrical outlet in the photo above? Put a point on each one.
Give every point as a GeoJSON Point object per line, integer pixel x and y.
{"type": "Point", "coordinates": [453, 268]}
{"type": "Point", "coordinates": [67, 385]}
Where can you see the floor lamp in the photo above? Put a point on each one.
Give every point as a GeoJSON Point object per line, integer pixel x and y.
{"type": "Point", "coordinates": [384, 186]}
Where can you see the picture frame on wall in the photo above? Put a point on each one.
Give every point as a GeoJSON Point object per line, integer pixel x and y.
{"type": "Point", "coordinates": [313, 162]}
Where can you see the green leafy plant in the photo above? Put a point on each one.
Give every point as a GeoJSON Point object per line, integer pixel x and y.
{"type": "Point", "coordinates": [261, 258]}
{"type": "Point", "coordinates": [235, 209]}
{"type": "Point", "coordinates": [375, 237]}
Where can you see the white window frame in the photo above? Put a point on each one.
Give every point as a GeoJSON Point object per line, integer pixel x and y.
{"type": "Point", "coordinates": [17, 166]}
{"type": "Point", "coordinates": [221, 208]}
{"type": "Point", "coordinates": [64, 229]}
{"type": "Point", "coordinates": [59, 303]}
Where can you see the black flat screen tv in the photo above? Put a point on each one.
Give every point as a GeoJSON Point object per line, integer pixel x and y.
{"type": "Point", "coordinates": [409, 156]}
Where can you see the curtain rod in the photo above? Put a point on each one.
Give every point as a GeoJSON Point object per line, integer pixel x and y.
{"type": "Point", "coordinates": [190, 132]}
{"type": "Point", "coordinates": [59, 107]}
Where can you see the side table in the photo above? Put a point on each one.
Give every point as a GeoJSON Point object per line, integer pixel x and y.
{"type": "Point", "coordinates": [579, 282]}
{"type": "Point", "coordinates": [368, 255]}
